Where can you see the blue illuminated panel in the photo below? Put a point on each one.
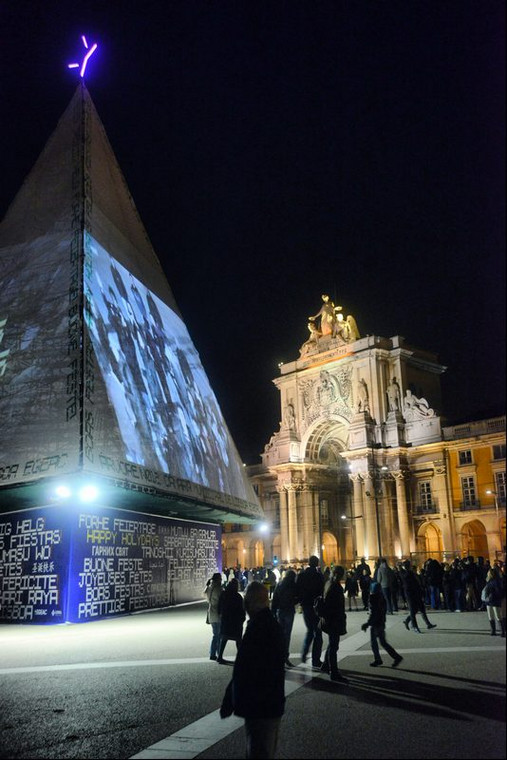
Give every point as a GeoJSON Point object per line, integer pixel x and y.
{"type": "Point", "coordinates": [125, 562]}
{"type": "Point", "coordinates": [80, 564]}
{"type": "Point", "coordinates": [34, 555]}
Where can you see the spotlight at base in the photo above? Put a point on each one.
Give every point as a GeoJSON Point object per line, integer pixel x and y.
{"type": "Point", "coordinates": [88, 493]}
{"type": "Point", "coordinates": [63, 492]}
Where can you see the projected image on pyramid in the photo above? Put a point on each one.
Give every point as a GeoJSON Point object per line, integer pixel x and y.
{"type": "Point", "coordinates": [167, 415]}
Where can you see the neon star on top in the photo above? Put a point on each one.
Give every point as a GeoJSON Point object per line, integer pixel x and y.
{"type": "Point", "coordinates": [87, 57]}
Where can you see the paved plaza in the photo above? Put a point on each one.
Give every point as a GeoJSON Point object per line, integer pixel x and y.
{"type": "Point", "coordinates": [143, 687]}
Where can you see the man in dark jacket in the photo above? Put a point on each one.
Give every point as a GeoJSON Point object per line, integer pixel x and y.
{"type": "Point", "coordinates": [377, 621]}
{"type": "Point", "coordinates": [310, 585]}
{"type": "Point", "coordinates": [414, 596]}
{"type": "Point", "coordinates": [257, 689]}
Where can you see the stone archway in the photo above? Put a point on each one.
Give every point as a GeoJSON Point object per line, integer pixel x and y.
{"type": "Point", "coordinates": [474, 540]}
{"type": "Point", "coordinates": [429, 541]}
{"type": "Point", "coordinates": [233, 552]}
{"type": "Point", "coordinates": [258, 553]}
{"type": "Point", "coordinates": [330, 552]}
{"type": "Point", "coordinates": [325, 440]}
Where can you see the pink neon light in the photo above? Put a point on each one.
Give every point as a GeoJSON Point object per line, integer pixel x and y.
{"type": "Point", "coordinates": [85, 59]}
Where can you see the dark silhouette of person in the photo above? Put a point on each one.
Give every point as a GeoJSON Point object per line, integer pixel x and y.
{"type": "Point", "coordinates": [283, 607]}
{"type": "Point", "coordinates": [232, 617]}
{"type": "Point", "coordinates": [256, 691]}
{"type": "Point", "coordinates": [310, 585]}
{"type": "Point", "coordinates": [414, 595]}
{"type": "Point", "coordinates": [377, 624]}
{"type": "Point", "coordinates": [334, 622]}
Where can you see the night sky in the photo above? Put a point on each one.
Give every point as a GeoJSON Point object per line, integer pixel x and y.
{"type": "Point", "coordinates": [280, 150]}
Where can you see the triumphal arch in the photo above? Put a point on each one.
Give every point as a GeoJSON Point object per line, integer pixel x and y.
{"type": "Point", "coordinates": [359, 428]}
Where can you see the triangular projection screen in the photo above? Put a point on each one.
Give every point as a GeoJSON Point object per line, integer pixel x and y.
{"type": "Point", "coordinates": [97, 370]}
{"type": "Point", "coordinates": [165, 417]}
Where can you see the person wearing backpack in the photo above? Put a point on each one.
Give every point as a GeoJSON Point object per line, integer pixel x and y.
{"type": "Point", "coordinates": [310, 585]}
{"type": "Point", "coordinates": [333, 622]}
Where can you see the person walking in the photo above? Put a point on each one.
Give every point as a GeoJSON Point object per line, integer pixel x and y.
{"type": "Point", "coordinates": [414, 595]}
{"type": "Point", "coordinates": [364, 585]}
{"type": "Point", "coordinates": [385, 576]}
{"type": "Point", "coordinates": [351, 589]}
{"type": "Point", "coordinates": [213, 592]}
{"type": "Point", "coordinates": [310, 585]}
{"type": "Point", "coordinates": [232, 617]}
{"type": "Point", "coordinates": [377, 624]}
{"type": "Point", "coordinates": [492, 597]}
{"type": "Point", "coordinates": [256, 691]}
{"type": "Point", "coordinates": [283, 607]}
{"type": "Point", "coordinates": [458, 585]}
{"type": "Point", "coordinates": [334, 622]}
{"type": "Point", "coordinates": [434, 577]}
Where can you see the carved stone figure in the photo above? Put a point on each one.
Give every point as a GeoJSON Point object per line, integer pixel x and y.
{"type": "Point", "coordinates": [289, 416]}
{"type": "Point", "coordinates": [394, 396]}
{"type": "Point", "coordinates": [363, 401]}
{"type": "Point", "coordinates": [349, 330]}
{"type": "Point", "coordinates": [416, 408]}
{"type": "Point", "coordinates": [326, 390]}
{"type": "Point", "coordinates": [328, 319]}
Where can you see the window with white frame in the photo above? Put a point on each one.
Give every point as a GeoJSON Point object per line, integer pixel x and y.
{"type": "Point", "coordinates": [465, 456]}
{"type": "Point", "coordinates": [500, 485]}
{"type": "Point", "coordinates": [425, 499]}
{"type": "Point", "coordinates": [468, 490]}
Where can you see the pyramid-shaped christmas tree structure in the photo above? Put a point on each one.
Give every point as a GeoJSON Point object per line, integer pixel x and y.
{"type": "Point", "coordinates": [98, 374]}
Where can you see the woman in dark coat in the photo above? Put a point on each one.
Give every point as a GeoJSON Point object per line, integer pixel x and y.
{"type": "Point", "coordinates": [232, 617]}
{"type": "Point", "coordinates": [492, 596]}
{"type": "Point", "coordinates": [334, 622]}
{"type": "Point", "coordinates": [283, 607]}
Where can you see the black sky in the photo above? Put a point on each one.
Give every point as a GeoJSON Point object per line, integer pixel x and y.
{"type": "Point", "coordinates": [280, 150]}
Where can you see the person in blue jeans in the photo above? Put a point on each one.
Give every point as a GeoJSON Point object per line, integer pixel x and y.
{"type": "Point", "coordinates": [283, 607]}
{"type": "Point", "coordinates": [213, 592]}
{"type": "Point", "coordinates": [377, 624]}
{"type": "Point", "coordinates": [310, 585]}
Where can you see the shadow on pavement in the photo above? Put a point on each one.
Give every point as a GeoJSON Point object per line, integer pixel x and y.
{"type": "Point", "coordinates": [432, 699]}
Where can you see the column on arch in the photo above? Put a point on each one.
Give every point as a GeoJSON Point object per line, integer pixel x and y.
{"type": "Point", "coordinates": [284, 524]}
{"type": "Point", "coordinates": [293, 526]}
{"type": "Point", "coordinates": [358, 513]}
{"type": "Point", "coordinates": [401, 508]}
{"type": "Point", "coordinates": [370, 517]}
{"type": "Point", "coordinates": [306, 511]}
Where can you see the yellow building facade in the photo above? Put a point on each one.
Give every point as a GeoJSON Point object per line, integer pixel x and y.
{"type": "Point", "coordinates": [361, 465]}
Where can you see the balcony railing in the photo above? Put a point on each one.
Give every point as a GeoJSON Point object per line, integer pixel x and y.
{"type": "Point", "coordinates": [482, 427]}
{"type": "Point", "coordinates": [425, 509]}
{"type": "Point", "coordinates": [470, 504]}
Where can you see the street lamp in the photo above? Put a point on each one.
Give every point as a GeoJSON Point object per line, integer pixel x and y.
{"type": "Point", "coordinates": [494, 493]}
{"type": "Point", "coordinates": [352, 517]}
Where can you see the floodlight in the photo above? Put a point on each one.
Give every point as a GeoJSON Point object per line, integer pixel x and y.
{"type": "Point", "coordinates": [88, 493]}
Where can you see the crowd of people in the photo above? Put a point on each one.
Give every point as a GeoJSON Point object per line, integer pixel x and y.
{"type": "Point", "coordinates": [271, 597]}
